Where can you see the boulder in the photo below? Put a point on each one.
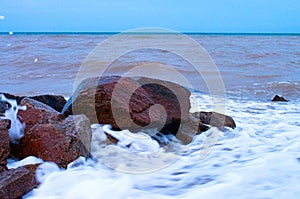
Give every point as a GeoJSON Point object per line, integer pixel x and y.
{"type": "Point", "coordinates": [174, 98]}
{"type": "Point", "coordinates": [278, 98]}
{"type": "Point", "coordinates": [215, 119]}
{"type": "Point", "coordinates": [14, 183]}
{"type": "Point", "coordinates": [4, 142]}
{"type": "Point", "coordinates": [50, 136]}
{"type": "Point", "coordinates": [120, 102]}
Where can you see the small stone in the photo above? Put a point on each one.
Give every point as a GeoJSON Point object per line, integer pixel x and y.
{"type": "Point", "coordinates": [278, 98]}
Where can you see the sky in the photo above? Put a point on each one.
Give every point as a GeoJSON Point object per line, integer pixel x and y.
{"type": "Point", "coordinates": [224, 16]}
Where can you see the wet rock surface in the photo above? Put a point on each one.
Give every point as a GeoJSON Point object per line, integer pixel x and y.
{"type": "Point", "coordinates": [174, 98]}
{"type": "Point", "coordinates": [50, 136]}
{"type": "Point", "coordinates": [108, 101]}
{"type": "Point", "coordinates": [57, 102]}
{"type": "Point", "coordinates": [215, 119]}
{"type": "Point", "coordinates": [4, 143]}
{"type": "Point", "coordinates": [14, 183]}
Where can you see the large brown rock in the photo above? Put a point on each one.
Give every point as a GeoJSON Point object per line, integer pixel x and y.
{"type": "Point", "coordinates": [120, 102]}
{"type": "Point", "coordinates": [15, 183]}
{"type": "Point", "coordinates": [51, 137]}
{"type": "Point", "coordinates": [4, 143]}
{"type": "Point", "coordinates": [215, 119]}
{"type": "Point", "coordinates": [174, 98]}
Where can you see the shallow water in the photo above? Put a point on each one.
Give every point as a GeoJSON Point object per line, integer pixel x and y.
{"type": "Point", "coordinates": [258, 159]}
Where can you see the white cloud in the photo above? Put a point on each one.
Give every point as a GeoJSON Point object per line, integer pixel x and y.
{"type": "Point", "coordinates": [2, 17]}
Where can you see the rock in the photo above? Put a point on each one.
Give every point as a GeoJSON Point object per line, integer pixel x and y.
{"type": "Point", "coordinates": [57, 102]}
{"type": "Point", "coordinates": [10, 96]}
{"type": "Point", "coordinates": [3, 107]}
{"type": "Point", "coordinates": [189, 128]}
{"type": "Point", "coordinates": [51, 137]}
{"type": "Point", "coordinates": [4, 142]}
{"type": "Point", "coordinates": [37, 113]}
{"type": "Point", "coordinates": [14, 183]}
{"type": "Point", "coordinates": [174, 98]}
{"type": "Point", "coordinates": [215, 119]}
{"type": "Point", "coordinates": [278, 98]}
{"type": "Point", "coordinates": [108, 100]}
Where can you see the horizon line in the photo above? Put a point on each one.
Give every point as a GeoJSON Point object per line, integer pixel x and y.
{"type": "Point", "coordinates": [118, 32]}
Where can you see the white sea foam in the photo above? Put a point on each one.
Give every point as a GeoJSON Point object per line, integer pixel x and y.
{"type": "Point", "coordinates": [12, 164]}
{"type": "Point", "coordinates": [16, 129]}
{"type": "Point", "coordinates": [259, 159]}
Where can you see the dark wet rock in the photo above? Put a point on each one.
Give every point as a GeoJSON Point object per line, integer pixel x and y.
{"type": "Point", "coordinates": [3, 107]}
{"type": "Point", "coordinates": [174, 98]}
{"type": "Point", "coordinates": [57, 102]}
{"type": "Point", "coordinates": [4, 143]}
{"type": "Point", "coordinates": [50, 136]}
{"type": "Point", "coordinates": [10, 96]}
{"type": "Point", "coordinates": [215, 119]}
{"type": "Point", "coordinates": [189, 128]}
{"type": "Point", "coordinates": [278, 98]}
{"type": "Point", "coordinates": [120, 102]}
{"type": "Point", "coordinates": [14, 183]}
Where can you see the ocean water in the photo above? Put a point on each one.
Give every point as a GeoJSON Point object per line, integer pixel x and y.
{"type": "Point", "coordinates": [258, 159]}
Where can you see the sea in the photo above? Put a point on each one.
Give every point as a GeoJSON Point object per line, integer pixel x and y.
{"type": "Point", "coordinates": [260, 158]}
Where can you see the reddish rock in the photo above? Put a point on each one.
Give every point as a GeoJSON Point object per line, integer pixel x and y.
{"type": "Point", "coordinates": [37, 113]}
{"type": "Point", "coordinates": [50, 137]}
{"type": "Point", "coordinates": [278, 98]}
{"type": "Point", "coordinates": [14, 183]}
{"type": "Point", "coordinates": [4, 142]}
{"type": "Point", "coordinates": [215, 119]}
{"type": "Point", "coordinates": [120, 102]}
{"type": "Point", "coordinates": [174, 98]}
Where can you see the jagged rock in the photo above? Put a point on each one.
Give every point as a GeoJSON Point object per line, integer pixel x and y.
{"type": "Point", "coordinates": [4, 142]}
{"type": "Point", "coordinates": [37, 113]}
{"type": "Point", "coordinates": [50, 136]}
{"type": "Point", "coordinates": [215, 119]}
{"type": "Point", "coordinates": [105, 101]}
{"type": "Point", "coordinates": [14, 183]}
{"type": "Point", "coordinates": [278, 98]}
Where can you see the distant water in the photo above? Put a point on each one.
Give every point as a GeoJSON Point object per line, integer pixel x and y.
{"type": "Point", "coordinates": [259, 159]}
{"type": "Point", "coordinates": [252, 66]}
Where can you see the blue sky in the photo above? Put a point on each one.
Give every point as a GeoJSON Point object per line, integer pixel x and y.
{"type": "Point", "coordinates": [250, 16]}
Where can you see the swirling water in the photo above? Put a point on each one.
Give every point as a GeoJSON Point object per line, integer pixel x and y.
{"type": "Point", "coordinates": [258, 159]}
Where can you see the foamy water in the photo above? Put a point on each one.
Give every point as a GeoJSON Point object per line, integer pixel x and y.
{"type": "Point", "coordinates": [258, 159]}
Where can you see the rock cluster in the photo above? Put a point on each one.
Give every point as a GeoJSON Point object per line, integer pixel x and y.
{"type": "Point", "coordinates": [60, 131]}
